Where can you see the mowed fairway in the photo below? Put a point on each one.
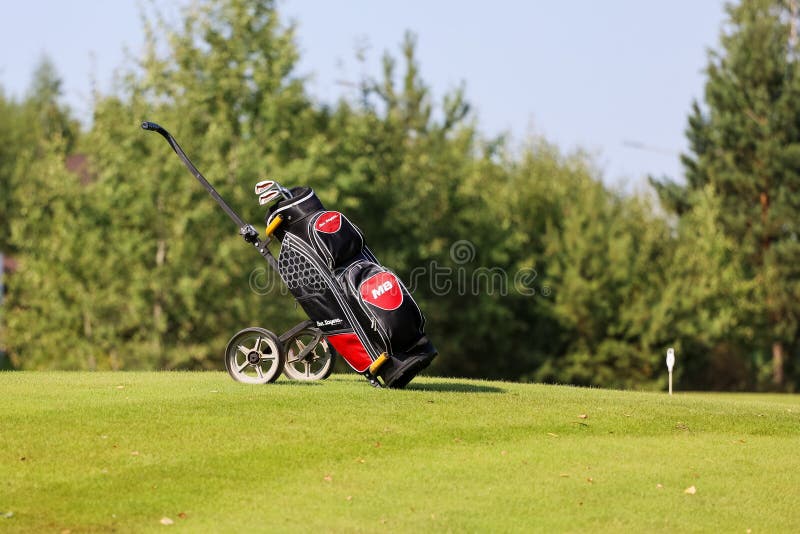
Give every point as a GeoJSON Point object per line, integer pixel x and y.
{"type": "Point", "coordinates": [101, 452]}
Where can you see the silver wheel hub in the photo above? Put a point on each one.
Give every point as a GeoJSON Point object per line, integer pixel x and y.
{"type": "Point", "coordinates": [253, 358]}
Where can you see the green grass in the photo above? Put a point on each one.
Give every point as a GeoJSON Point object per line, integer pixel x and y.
{"type": "Point", "coordinates": [98, 452]}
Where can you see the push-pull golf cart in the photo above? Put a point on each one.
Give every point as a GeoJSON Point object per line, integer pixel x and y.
{"type": "Point", "coordinates": [356, 307]}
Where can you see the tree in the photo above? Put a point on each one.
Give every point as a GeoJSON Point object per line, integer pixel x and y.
{"type": "Point", "coordinates": [745, 143]}
{"type": "Point", "coordinates": [151, 273]}
{"type": "Point", "coordinates": [49, 308]}
{"type": "Point", "coordinates": [35, 137]}
{"type": "Point", "coordinates": [11, 128]}
{"type": "Point", "coordinates": [23, 125]}
{"type": "Point", "coordinates": [706, 305]}
{"type": "Point", "coordinates": [604, 255]}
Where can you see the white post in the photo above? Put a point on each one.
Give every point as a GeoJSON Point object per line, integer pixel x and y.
{"type": "Point", "coordinates": [670, 365]}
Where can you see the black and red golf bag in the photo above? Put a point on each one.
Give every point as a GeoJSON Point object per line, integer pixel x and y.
{"type": "Point", "coordinates": [363, 309]}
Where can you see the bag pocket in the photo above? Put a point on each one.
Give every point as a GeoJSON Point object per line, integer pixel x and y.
{"type": "Point", "coordinates": [387, 303]}
{"type": "Point", "coordinates": [335, 238]}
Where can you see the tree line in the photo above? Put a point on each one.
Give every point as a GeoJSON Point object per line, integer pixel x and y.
{"type": "Point", "coordinates": [528, 266]}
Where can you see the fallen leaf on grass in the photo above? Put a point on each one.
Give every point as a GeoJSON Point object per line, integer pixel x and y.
{"type": "Point", "coordinates": [691, 490]}
{"type": "Point", "coordinates": [166, 521]}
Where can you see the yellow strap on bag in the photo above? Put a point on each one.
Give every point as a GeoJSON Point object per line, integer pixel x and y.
{"type": "Point", "coordinates": [378, 363]}
{"type": "Point", "coordinates": [273, 225]}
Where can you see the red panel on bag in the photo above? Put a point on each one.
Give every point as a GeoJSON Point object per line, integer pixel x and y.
{"type": "Point", "coordinates": [382, 290]}
{"type": "Point", "coordinates": [329, 222]}
{"type": "Point", "coordinates": [352, 350]}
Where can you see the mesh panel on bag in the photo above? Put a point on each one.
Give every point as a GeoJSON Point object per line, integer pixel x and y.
{"type": "Point", "coordinates": [297, 271]}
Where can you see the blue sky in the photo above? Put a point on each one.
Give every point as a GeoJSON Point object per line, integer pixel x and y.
{"type": "Point", "coordinates": [594, 75]}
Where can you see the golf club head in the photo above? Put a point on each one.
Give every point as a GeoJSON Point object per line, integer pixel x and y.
{"type": "Point", "coordinates": [264, 186]}
{"type": "Point", "coordinates": [269, 196]}
{"type": "Point", "coordinates": [271, 185]}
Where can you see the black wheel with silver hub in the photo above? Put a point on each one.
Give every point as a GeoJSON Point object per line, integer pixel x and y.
{"type": "Point", "coordinates": [254, 356]}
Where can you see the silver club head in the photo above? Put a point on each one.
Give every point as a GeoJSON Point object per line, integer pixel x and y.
{"type": "Point", "coordinates": [268, 197]}
{"type": "Point", "coordinates": [264, 186]}
{"type": "Point", "coordinates": [271, 185]}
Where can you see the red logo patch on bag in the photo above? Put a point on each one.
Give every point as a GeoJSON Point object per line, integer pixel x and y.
{"type": "Point", "coordinates": [382, 290]}
{"type": "Point", "coordinates": [329, 222]}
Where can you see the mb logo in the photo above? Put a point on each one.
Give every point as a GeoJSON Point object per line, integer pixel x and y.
{"type": "Point", "coordinates": [381, 289]}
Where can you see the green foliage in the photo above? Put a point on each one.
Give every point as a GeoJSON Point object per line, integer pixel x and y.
{"type": "Point", "coordinates": [745, 143]}
{"type": "Point", "coordinates": [11, 125]}
{"type": "Point", "coordinates": [36, 193]}
{"type": "Point", "coordinates": [527, 266]}
{"type": "Point", "coordinates": [50, 321]}
{"type": "Point", "coordinates": [23, 127]}
{"type": "Point", "coordinates": [225, 83]}
{"type": "Point", "coordinates": [604, 255]}
{"type": "Point", "coordinates": [707, 303]}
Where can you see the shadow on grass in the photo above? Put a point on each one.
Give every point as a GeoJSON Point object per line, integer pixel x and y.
{"type": "Point", "coordinates": [459, 387]}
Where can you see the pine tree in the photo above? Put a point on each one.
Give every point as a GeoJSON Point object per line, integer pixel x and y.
{"type": "Point", "coordinates": [39, 204]}
{"type": "Point", "coordinates": [745, 142]}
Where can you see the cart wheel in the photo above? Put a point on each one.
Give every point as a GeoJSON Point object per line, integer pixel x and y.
{"type": "Point", "coordinates": [254, 356]}
{"type": "Point", "coordinates": [317, 364]}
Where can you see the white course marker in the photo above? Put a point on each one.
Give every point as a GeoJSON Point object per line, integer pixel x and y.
{"type": "Point", "coordinates": [670, 365]}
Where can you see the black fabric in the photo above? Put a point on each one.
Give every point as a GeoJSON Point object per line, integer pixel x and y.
{"type": "Point", "coordinates": [338, 241]}
{"type": "Point", "coordinates": [400, 327]}
{"type": "Point", "coordinates": [294, 211]}
{"type": "Point", "coordinates": [312, 291]}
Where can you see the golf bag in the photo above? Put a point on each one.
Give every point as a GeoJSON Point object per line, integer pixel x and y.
{"type": "Point", "coordinates": [363, 309]}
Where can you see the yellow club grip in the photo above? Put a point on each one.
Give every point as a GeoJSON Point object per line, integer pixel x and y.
{"type": "Point", "coordinates": [273, 225]}
{"type": "Point", "coordinates": [378, 363]}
